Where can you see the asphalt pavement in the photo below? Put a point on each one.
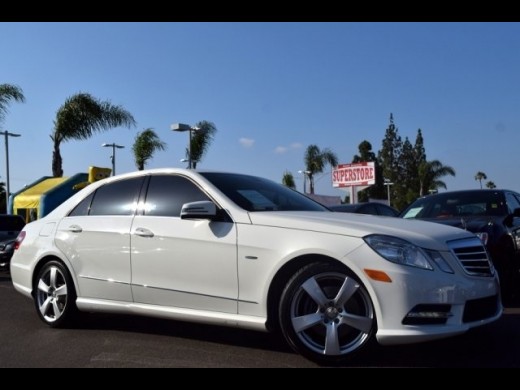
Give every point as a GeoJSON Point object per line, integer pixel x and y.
{"type": "Point", "coordinates": [103, 340]}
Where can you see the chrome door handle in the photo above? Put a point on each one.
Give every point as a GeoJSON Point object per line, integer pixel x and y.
{"type": "Point", "coordinates": [142, 232]}
{"type": "Point", "coordinates": [75, 229]}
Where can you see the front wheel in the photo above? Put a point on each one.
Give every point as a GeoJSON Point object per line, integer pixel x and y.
{"type": "Point", "coordinates": [54, 295]}
{"type": "Point", "coordinates": [326, 313]}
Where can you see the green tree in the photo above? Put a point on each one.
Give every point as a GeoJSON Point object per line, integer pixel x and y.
{"type": "Point", "coordinates": [288, 180]}
{"type": "Point", "coordinates": [365, 153]}
{"type": "Point", "coordinates": [376, 191]}
{"type": "Point", "coordinates": [316, 160]}
{"type": "Point", "coordinates": [389, 157]}
{"type": "Point", "coordinates": [480, 176]}
{"type": "Point", "coordinates": [430, 174]}
{"type": "Point", "coordinates": [490, 185]}
{"type": "Point", "coordinates": [79, 118]}
{"type": "Point", "coordinates": [9, 93]}
{"type": "Point", "coordinates": [200, 141]}
{"type": "Point", "coordinates": [419, 158]}
{"type": "Point", "coordinates": [419, 150]}
{"type": "Point", "coordinates": [407, 186]}
{"type": "Point", "coordinates": [145, 145]}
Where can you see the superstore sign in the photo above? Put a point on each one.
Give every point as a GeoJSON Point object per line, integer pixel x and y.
{"type": "Point", "coordinates": [348, 175]}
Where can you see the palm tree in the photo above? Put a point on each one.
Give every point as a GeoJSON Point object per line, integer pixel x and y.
{"type": "Point", "coordinates": [316, 160]}
{"type": "Point", "coordinates": [145, 145]}
{"type": "Point", "coordinates": [430, 174]}
{"type": "Point", "coordinates": [79, 118]}
{"type": "Point", "coordinates": [288, 180]}
{"type": "Point", "coordinates": [491, 185]}
{"type": "Point", "coordinates": [8, 93]}
{"type": "Point", "coordinates": [200, 141]}
{"type": "Point", "coordinates": [480, 176]}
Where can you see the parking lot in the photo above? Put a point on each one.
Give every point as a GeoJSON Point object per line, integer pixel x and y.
{"type": "Point", "coordinates": [125, 341]}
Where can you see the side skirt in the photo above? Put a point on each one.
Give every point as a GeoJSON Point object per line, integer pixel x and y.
{"type": "Point", "coordinates": [172, 313]}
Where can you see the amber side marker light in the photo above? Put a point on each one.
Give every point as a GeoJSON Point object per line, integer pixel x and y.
{"type": "Point", "coordinates": [380, 276]}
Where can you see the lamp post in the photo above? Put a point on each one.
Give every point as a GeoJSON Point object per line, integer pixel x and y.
{"type": "Point", "coordinates": [113, 156]}
{"type": "Point", "coordinates": [305, 174]}
{"type": "Point", "coordinates": [7, 134]}
{"type": "Point", "coordinates": [181, 127]}
{"type": "Point", "coordinates": [387, 183]}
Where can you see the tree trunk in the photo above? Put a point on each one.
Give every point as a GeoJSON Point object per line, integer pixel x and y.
{"type": "Point", "coordinates": [311, 184]}
{"type": "Point", "coordinates": [57, 161]}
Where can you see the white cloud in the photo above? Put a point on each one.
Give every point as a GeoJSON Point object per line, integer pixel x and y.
{"type": "Point", "coordinates": [246, 142]}
{"type": "Point", "coordinates": [285, 149]}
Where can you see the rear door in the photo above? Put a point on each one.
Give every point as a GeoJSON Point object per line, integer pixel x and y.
{"type": "Point", "coordinates": [95, 237]}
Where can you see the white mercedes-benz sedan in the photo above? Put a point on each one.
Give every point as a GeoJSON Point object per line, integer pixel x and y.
{"type": "Point", "coordinates": [238, 250]}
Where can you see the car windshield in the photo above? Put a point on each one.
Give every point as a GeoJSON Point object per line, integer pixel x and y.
{"type": "Point", "coordinates": [258, 194]}
{"type": "Point", "coordinates": [487, 203]}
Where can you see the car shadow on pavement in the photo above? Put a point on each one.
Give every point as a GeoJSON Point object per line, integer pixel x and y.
{"type": "Point", "coordinates": [180, 329]}
{"type": "Point", "coordinates": [493, 345]}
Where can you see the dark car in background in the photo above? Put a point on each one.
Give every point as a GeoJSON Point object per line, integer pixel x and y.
{"type": "Point", "coordinates": [372, 208]}
{"type": "Point", "coordinates": [10, 226]}
{"type": "Point", "coordinates": [493, 215]}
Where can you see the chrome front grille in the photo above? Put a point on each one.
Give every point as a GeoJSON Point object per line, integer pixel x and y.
{"type": "Point", "coordinates": [473, 256]}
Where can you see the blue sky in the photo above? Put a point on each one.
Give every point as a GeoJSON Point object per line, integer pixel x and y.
{"type": "Point", "coordinates": [271, 89]}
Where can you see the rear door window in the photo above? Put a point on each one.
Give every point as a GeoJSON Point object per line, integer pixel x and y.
{"type": "Point", "coordinates": [116, 198]}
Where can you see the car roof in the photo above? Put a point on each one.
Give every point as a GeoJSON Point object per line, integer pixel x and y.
{"type": "Point", "coordinates": [470, 191]}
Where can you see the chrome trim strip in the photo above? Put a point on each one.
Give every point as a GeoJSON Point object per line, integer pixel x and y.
{"type": "Point", "coordinates": [192, 293]}
{"type": "Point", "coordinates": [164, 289]}
{"type": "Point", "coordinates": [103, 280]}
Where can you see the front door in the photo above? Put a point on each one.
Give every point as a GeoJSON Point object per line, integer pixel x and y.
{"type": "Point", "coordinates": [182, 263]}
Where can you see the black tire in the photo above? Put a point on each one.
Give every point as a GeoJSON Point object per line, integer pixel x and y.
{"type": "Point", "coordinates": [335, 322]}
{"type": "Point", "coordinates": [55, 295]}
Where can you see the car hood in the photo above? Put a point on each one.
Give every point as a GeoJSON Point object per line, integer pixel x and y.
{"type": "Point", "coordinates": [424, 234]}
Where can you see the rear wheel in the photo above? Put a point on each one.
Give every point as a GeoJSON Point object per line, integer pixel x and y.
{"type": "Point", "coordinates": [326, 313]}
{"type": "Point", "coordinates": [55, 297]}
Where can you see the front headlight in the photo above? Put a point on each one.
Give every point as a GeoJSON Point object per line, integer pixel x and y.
{"type": "Point", "coordinates": [398, 251]}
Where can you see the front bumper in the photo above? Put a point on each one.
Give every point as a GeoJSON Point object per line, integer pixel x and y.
{"type": "Point", "coordinates": [422, 305]}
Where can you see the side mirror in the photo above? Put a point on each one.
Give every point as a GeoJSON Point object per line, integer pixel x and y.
{"type": "Point", "coordinates": [199, 210]}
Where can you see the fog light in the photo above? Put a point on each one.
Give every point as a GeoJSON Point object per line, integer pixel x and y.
{"type": "Point", "coordinates": [428, 315]}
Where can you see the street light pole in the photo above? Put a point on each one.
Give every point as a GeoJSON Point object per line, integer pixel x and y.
{"type": "Point", "coordinates": [388, 184]}
{"type": "Point", "coordinates": [113, 157]}
{"type": "Point", "coordinates": [7, 134]}
{"type": "Point", "coordinates": [305, 173]}
{"type": "Point", "coordinates": [184, 127]}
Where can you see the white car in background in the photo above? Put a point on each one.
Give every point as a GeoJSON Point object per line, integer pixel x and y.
{"type": "Point", "coordinates": [243, 251]}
